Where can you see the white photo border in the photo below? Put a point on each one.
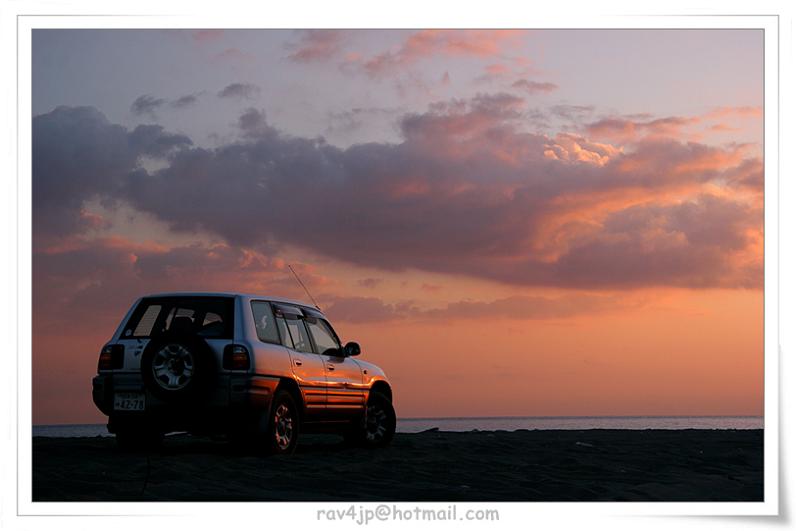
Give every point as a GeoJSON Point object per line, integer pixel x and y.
{"type": "Point", "coordinates": [300, 513]}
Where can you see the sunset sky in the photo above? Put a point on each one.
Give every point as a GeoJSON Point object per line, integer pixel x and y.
{"type": "Point", "coordinates": [546, 222]}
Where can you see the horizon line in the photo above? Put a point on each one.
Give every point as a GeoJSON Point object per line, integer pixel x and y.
{"type": "Point", "coordinates": [509, 417]}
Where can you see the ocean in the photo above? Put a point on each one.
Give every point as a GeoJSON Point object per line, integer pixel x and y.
{"type": "Point", "coordinates": [415, 425]}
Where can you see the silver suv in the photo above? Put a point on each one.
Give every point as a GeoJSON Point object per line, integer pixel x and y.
{"type": "Point", "coordinates": [258, 369]}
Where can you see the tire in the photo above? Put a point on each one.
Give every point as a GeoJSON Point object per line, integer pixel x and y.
{"type": "Point", "coordinates": [178, 368]}
{"type": "Point", "coordinates": [377, 428]}
{"type": "Point", "coordinates": [279, 431]}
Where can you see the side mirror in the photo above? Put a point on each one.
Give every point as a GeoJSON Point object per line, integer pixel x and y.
{"type": "Point", "coordinates": [351, 349]}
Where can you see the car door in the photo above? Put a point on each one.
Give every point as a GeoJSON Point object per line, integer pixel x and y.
{"type": "Point", "coordinates": [209, 317]}
{"type": "Point", "coordinates": [307, 365]}
{"type": "Point", "coordinates": [345, 393]}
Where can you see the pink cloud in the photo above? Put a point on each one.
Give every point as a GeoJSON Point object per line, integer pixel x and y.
{"type": "Point", "coordinates": [634, 128]}
{"type": "Point", "coordinates": [497, 69]}
{"type": "Point", "coordinates": [450, 43]}
{"type": "Point", "coordinates": [316, 46]}
{"type": "Point", "coordinates": [742, 111]}
{"type": "Point", "coordinates": [207, 35]}
{"type": "Point", "coordinates": [627, 130]}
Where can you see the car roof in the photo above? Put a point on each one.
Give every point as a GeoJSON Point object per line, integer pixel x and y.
{"type": "Point", "coordinates": [233, 294]}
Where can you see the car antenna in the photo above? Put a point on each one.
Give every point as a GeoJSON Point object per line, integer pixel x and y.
{"type": "Point", "coordinates": [303, 286]}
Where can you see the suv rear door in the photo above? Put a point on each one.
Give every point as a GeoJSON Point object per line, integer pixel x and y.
{"type": "Point", "coordinates": [306, 364]}
{"type": "Point", "coordinates": [211, 317]}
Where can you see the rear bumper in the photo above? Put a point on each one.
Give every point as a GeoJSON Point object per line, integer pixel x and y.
{"type": "Point", "coordinates": [232, 402]}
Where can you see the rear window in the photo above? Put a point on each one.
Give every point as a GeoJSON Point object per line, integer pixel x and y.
{"type": "Point", "coordinates": [210, 317]}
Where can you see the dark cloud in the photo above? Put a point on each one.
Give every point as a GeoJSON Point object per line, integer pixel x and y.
{"type": "Point", "coordinates": [146, 104]}
{"type": "Point", "coordinates": [365, 310]}
{"type": "Point", "coordinates": [352, 119]}
{"type": "Point", "coordinates": [244, 91]}
{"type": "Point", "coordinates": [534, 87]}
{"type": "Point", "coordinates": [370, 282]}
{"type": "Point", "coordinates": [571, 112]}
{"type": "Point", "coordinates": [152, 141]}
{"type": "Point", "coordinates": [189, 100]}
{"type": "Point", "coordinates": [465, 192]}
{"type": "Point", "coordinates": [102, 277]}
{"type": "Point", "coordinates": [78, 155]}
{"type": "Point", "coordinates": [253, 123]}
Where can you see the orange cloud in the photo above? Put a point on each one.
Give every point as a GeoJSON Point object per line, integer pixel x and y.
{"type": "Point", "coordinates": [572, 148]}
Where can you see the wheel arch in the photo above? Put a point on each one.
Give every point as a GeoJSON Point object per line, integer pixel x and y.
{"type": "Point", "coordinates": [382, 387]}
{"type": "Point", "coordinates": [290, 385]}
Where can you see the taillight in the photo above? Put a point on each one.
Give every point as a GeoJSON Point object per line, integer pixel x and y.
{"type": "Point", "coordinates": [111, 357]}
{"type": "Point", "coordinates": [236, 358]}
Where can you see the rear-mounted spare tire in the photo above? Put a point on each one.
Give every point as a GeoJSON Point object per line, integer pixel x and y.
{"type": "Point", "coordinates": [177, 368]}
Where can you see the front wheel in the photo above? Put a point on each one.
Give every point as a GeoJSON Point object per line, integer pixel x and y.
{"type": "Point", "coordinates": [378, 427]}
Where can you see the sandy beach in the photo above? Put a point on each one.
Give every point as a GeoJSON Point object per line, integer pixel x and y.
{"type": "Point", "coordinates": [539, 465]}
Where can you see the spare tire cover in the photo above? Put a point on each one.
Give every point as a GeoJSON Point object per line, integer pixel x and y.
{"type": "Point", "coordinates": [176, 367]}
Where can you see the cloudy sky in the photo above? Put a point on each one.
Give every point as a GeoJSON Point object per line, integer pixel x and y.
{"type": "Point", "coordinates": [509, 222]}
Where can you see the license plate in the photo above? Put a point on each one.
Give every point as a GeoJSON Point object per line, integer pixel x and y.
{"type": "Point", "coordinates": [128, 401]}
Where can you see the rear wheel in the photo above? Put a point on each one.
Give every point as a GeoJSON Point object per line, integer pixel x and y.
{"type": "Point", "coordinates": [377, 428]}
{"type": "Point", "coordinates": [282, 430]}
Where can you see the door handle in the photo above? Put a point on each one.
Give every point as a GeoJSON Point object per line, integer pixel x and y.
{"type": "Point", "coordinates": [330, 367]}
{"type": "Point", "coordinates": [298, 363]}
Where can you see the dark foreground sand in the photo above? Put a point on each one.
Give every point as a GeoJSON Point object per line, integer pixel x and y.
{"type": "Point", "coordinates": [550, 465]}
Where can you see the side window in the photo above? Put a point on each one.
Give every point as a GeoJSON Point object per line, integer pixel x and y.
{"type": "Point", "coordinates": [264, 322]}
{"type": "Point", "coordinates": [180, 317]}
{"type": "Point", "coordinates": [147, 322]}
{"type": "Point", "coordinates": [324, 339]}
{"type": "Point", "coordinates": [298, 333]}
{"type": "Point", "coordinates": [212, 325]}
{"type": "Point", "coordinates": [211, 318]}
{"type": "Point", "coordinates": [283, 332]}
